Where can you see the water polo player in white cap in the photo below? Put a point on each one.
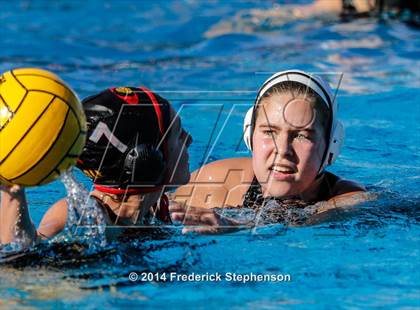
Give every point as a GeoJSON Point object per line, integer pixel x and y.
{"type": "Point", "coordinates": [136, 148]}
{"type": "Point", "coordinates": [293, 133]}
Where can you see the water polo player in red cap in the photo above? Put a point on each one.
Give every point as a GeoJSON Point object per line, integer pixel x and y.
{"type": "Point", "coordinates": [135, 149]}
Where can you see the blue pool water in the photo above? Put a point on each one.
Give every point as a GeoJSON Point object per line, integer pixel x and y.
{"type": "Point", "coordinates": [209, 60]}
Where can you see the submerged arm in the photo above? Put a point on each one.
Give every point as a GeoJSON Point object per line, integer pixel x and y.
{"type": "Point", "coordinates": [335, 207]}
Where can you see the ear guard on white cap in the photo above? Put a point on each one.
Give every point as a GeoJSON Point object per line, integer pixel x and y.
{"type": "Point", "coordinates": [319, 86]}
{"type": "Point", "coordinates": [334, 147]}
{"type": "Point", "coordinates": [247, 128]}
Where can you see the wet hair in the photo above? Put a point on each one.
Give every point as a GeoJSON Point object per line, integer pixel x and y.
{"type": "Point", "coordinates": [298, 90]}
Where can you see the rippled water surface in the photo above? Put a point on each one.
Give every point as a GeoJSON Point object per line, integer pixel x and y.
{"type": "Point", "coordinates": [209, 59]}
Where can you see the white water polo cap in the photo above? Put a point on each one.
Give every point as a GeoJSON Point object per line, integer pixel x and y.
{"type": "Point", "coordinates": [320, 87]}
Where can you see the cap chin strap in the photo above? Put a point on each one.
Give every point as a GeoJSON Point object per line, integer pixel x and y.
{"type": "Point", "coordinates": [319, 86]}
{"type": "Point", "coordinates": [123, 191]}
{"type": "Point", "coordinates": [162, 129]}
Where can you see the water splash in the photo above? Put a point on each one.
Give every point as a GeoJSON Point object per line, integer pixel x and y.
{"type": "Point", "coordinates": [270, 210]}
{"type": "Point", "coordinates": [273, 210]}
{"type": "Point", "coordinates": [85, 223]}
{"type": "Point", "coordinates": [85, 219]}
{"type": "Point", "coordinates": [21, 242]}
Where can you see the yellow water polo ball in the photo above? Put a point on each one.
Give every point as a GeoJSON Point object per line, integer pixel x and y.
{"type": "Point", "coordinates": [42, 127]}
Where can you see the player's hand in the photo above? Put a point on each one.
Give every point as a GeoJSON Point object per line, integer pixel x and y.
{"type": "Point", "coordinates": [200, 220]}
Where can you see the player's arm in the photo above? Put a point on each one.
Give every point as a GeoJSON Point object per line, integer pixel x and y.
{"type": "Point", "coordinates": [54, 220]}
{"type": "Point", "coordinates": [346, 194]}
{"type": "Point", "coordinates": [15, 221]}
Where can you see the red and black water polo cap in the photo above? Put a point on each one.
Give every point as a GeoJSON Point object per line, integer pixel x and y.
{"type": "Point", "coordinates": [124, 146]}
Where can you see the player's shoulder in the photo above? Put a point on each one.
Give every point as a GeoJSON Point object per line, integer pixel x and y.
{"type": "Point", "coordinates": [342, 186]}
{"type": "Point", "coordinates": [219, 170]}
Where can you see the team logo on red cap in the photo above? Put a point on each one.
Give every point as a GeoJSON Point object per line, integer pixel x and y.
{"type": "Point", "coordinates": [126, 94]}
{"type": "Point", "coordinates": [124, 91]}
